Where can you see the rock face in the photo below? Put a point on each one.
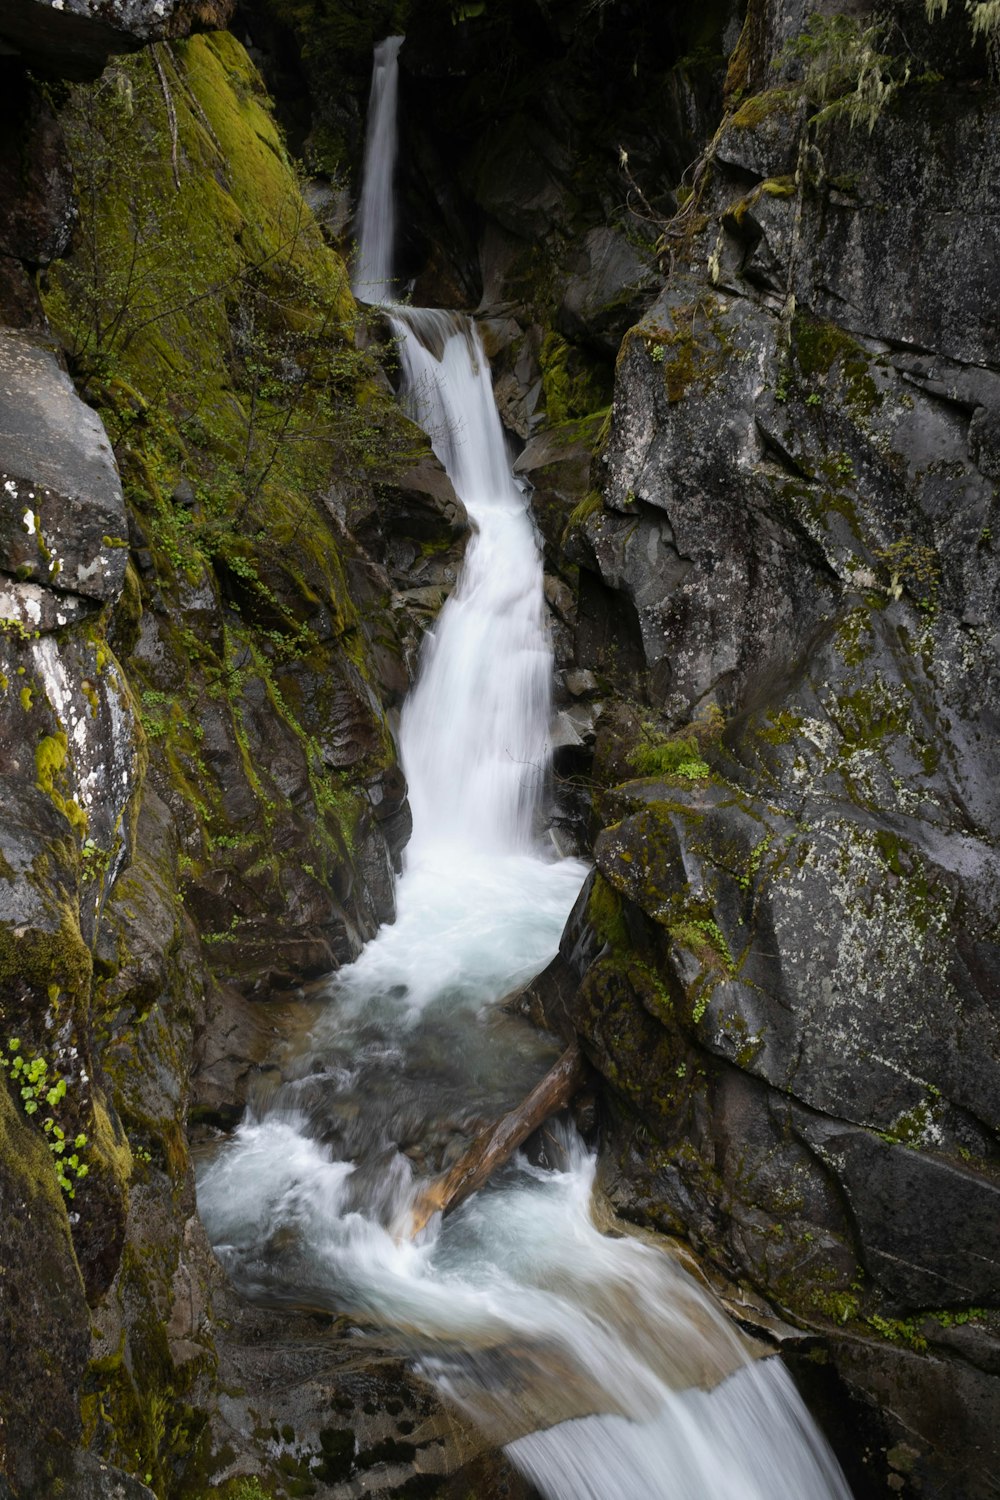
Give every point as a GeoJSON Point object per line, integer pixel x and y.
{"type": "Point", "coordinates": [63, 529]}
{"type": "Point", "coordinates": [795, 912]}
{"type": "Point", "coordinates": [200, 805]}
{"type": "Point", "coordinates": [75, 38]}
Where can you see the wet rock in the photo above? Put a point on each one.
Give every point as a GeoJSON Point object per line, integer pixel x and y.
{"type": "Point", "coordinates": [557, 464]}
{"type": "Point", "coordinates": [363, 1418]}
{"type": "Point", "coordinates": [721, 589]}
{"type": "Point", "coordinates": [927, 160]}
{"type": "Point", "coordinates": [94, 1480]}
{"type": "Point", "coordinates": [415, 526]}
{"type": "Point", "coordinates": [923, 1223]}
{"type": "Point", "coordinates": [796, 529]}
{"type": "Point", "coordinates": [36, 183]}
{"type": "Point", "coordinates": [43, 1314]}
{"type": "Point", "coordinates": [63, 521]}
{"type": "Point", "coordinates": [605, 289]}
{"type": "Point", "coordinates": [521, 177]}
{"type": "Point", "coordinates": [19, 304]}
{"type": "Point", "coordinates": [937, 1436]}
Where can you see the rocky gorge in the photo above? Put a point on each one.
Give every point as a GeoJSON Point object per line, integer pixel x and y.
{"type": "Point", "coordinates": [736, 272]}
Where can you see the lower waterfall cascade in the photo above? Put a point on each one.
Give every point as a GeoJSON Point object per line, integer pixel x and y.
{"type": "Point", "coordinates": [600, 1365]}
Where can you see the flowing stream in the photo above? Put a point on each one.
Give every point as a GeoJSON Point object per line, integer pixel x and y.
{"type": "Point", "coordinates": [600, 1364]}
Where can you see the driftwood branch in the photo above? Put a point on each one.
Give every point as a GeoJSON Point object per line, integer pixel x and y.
{"type": "Point", "coordinates": [497, 1142]}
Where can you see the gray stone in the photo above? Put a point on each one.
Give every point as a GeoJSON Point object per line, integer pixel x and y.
{"type": "Point", "coordinates": [93, 1479]}
{"type": "Point", "coordinates": [74, 38]}
{"type": "Point", "coordinates": [927, 1227]}
{"type": "Point", "coordinates": [62, 520]}
{"type": "Point", "coordinates": [606, 287]}
{"type": "Point", "coordinates": [913, 256]}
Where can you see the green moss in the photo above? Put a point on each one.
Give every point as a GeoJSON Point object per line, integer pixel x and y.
{"type": "Point", "coordinates": [915, 1127]}
{"type": "Point", "coordinates": [838, 1306]}
{"type": "Point", "coordinates": [234, 287]}
{"type": "Point", "coordinates": [759, 107]}
{"type": "Point", "coordinates": [590, 505]}
{"type": "Point", "coordinates": [821, 349]}
{"type": "Point", "coordinates": [780, 728]}
{"type": "Point", "coordinates": [50, 758]}
{"type": "Point", "coordinates": [573, 388]}
{"type": "Point", "coordinates": [43, 960]}
{"type": "Point", "coordinates": [249, 1487]}
{"type": "Point", "coordinates": [703, 937]}
{"type": "Point", "coordinates": [897, 1331]}
{"type": "Point", "coordinates": [604, 912]}
{"type": "Point", "coordinates": [779, 187]}
{"type": "Point", "coordinates": [869, 714]}
{"type": "Point", "coordinates": [694, 351]}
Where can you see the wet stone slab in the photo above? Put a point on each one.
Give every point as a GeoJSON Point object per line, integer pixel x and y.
{"type": "Point", "coordinates": [63, 534]}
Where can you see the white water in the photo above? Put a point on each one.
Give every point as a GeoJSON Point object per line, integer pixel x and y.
{"type": "Point", "coordinates": [601, 1365]}
{"type": "Point", "coordinates": [372, 276]}
{"type": "Point", "coordinates": [474, 734]}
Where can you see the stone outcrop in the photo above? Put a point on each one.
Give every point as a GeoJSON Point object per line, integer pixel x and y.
{"type": "Point", "coordinates": [63, 533]}
{"type": "Point", "coordinates": [789, 982]}
{"type": "Point", "coordinates": [75, 38]}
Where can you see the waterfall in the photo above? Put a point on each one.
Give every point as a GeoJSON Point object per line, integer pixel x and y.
{"type": "Point", "coordinates": [474, 734]}
{"type": "Point", "coordinates": [376, 227]}
{"type": "Point", "coordinates": [604, 1369]}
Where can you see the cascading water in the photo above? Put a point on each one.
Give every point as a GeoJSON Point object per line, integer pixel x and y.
{"type": "Point", "coordinates": [474, 733]}
{"type": "Point", "coordinates": [372, 279]}
{"type": "Point", "coordinates": [601, 1365]}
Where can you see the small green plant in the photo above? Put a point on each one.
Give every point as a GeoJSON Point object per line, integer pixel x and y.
{"type": "Point", "coordinates": [898, 1331]}
{"type": "Point", "coordinates": [704, 937]}
{"type": "Point", "coordinates": [95, 859]}
{"type": "Point", "coordinates": [656, 755]}
{"type": "Point", "coordinates": [757, 856]}
{"type": "Point", "coordinates": [31, 1077]}
{"type": "Point", "coordinates": [913, 568]}
{"type": "Point", "coordinates": [17, 631]}
{"type": "Point", "coordinates": [840, 1307]}
{"type": "Point", "coordinates": [249, 1488]}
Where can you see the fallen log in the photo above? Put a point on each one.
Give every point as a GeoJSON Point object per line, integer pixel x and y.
{"type": "Point", "coordinates": [497, 1143]}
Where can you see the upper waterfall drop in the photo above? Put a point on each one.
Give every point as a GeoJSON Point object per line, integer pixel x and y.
{"type": "Point", "coordinates": [474, 736]}
{"type": "Point", "coordinates": [371, 280]}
